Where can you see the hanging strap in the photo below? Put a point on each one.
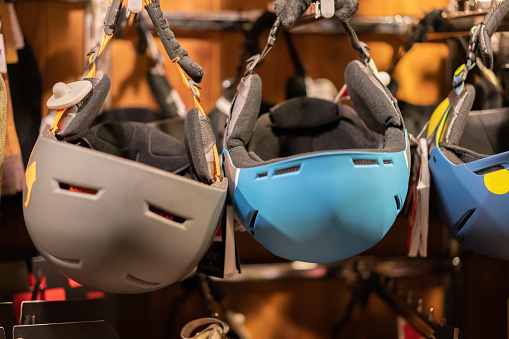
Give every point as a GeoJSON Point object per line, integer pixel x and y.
{"type": "Point", "coordinates": [358, 45]}
{"type": "Point", "coordinates": [487, 28]}
{"type": "Point", "coordinates": [110, 23]}
{"type": "Point", "coordinates": [195, 89]}
{"type": "Point", "coordinates": [170, 43]}
{"type": "Point", "coordinates": [480, 40]}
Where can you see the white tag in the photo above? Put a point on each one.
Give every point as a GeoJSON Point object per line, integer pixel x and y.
{"type": "Point", "coordinates": [321, 88]}
{"type": "Point", "coordinates": [3, 59]}
{"type": "Point", "coordinates": [134, 6]}
{"type": "Point", "coordinates": [419, 216]}
{"type": "Point", "coordinates": [221, 259]}
{"type": "Point", "coordinates": [17, 34]}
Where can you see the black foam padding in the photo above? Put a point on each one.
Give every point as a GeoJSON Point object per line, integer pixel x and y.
{"type": "Point", "coordinates": [88, 111]}
{"type": "Point", "coordinates": [26, 95]}
{"type": "Point", "coordinates": [199, 138]}
{"type": "Point", "coordinates": [289, 11]}
{"type": "Point", "coordinates": [240, 128]}
{"type": "Point", "coordinates": [487, 131]}
{"type": "Point", "coordinates": [304, 113]}
{"type": "Point", "coordinates": [139, 142]}
{"type": "Point", "coordinates": [218, 120]}
{"type": "Point", "coordinates": [170, 43]}
{"type": "Point", "coordinates": [461, 104]}
{"type": "Point", "coordinates": [372, 101]}
{"type": "Point", "coordinates": [136, 114]}
{"type": "Point", "coordinates": [305, 125]}
{"type": "Point", "coordinates": [345, 9]}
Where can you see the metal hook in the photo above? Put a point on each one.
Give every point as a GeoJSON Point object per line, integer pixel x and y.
{"type": "Point", "coordinates": [94, 51]}
{"type": "Point", "coordinates": [192, 85]}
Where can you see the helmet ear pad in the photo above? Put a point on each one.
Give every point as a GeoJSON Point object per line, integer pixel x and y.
{"type": "Point", "coordinates": [200, 141]}
{"type": "Point", "coordinates": [88, 111]}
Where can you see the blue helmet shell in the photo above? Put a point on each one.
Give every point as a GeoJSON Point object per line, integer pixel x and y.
{"type": "Point", "coordinates": [286, 207]}
{"type": "Point", "coordinates": [318, 206]}
{"type": "Point", "coordinates": [471, 188]}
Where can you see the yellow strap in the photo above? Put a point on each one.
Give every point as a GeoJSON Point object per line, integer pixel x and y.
{"type": "Point", "coordinates": [196, 95]}
{"type": "Point", "coordinates": [104, 42]}
{"type": "Point", "coordinates": [58, 117]}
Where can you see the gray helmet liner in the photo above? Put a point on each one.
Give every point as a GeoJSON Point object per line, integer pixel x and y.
{"type": "Point", "coordinates": [305, 125]}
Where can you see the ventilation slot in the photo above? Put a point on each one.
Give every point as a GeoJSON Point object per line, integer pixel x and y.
{"type": "Point", "coordinates": [166, 215]}
{"type": "Point", "coordinates": [142, 282]}
{"type": "Point", "coordinates": [387, 162]}
{"type": "Point", "coordinates": [464, 219]}
{"type": "Point", "coordinates": [398, 202]}
{"type": "Point", "coordinates": [363, 162]}
{"type": "Point", "coordinates": [74, 262]}
{"type": "Point", "coordinates": [252, 221]}
{"type": "Point", "coordinates": [287, 170]}
{"type": "Point", "coordinates": [261, 175]}
{"type": "Point", "coordinates": [78, 189]}
{"type": "Point", "coordinates": [491, 169]}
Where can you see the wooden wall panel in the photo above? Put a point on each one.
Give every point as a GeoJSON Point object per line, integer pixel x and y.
{"type": "Point", "coordinates": [297, 309]}
{"type": "Point", "coordinates": [55, 31]}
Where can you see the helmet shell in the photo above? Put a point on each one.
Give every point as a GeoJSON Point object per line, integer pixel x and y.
{"type": "Point", "coordinates": [321, 207]}
{"type": "Point", "coordinates": [475, 211]}
{"type": "Point", "coordinates": [111, 232]}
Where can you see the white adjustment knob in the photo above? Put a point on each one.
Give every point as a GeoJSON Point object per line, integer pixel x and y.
{"type": "Point", "coordinates": [60, 89]}
{"type": "Point", "coordinates": [67, 95]}
{"type": "Point", "coordinates": [134, 6]}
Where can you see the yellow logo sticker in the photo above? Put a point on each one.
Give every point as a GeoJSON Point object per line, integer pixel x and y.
{"type": "Point", "coordinates": [497, 182]}
{"type": "Point", "coordinates": [30, 179]}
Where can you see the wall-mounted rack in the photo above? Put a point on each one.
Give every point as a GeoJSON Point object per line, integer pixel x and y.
{"type": "Point", "coordinates": [397, 267]}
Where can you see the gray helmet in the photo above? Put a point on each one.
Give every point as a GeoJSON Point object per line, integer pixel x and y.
{"type": "Point", "coordinates": [116, 224]}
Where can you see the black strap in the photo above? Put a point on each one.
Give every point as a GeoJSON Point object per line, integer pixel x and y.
{"type": "Point", "coordinates": [358, 45]}
{"type": "Point", "coordinates": [170, 43]}
{"type": "Point", "coordinates": [486, 29]}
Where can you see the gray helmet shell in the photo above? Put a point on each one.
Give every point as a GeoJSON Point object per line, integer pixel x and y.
{"type": "Point", "coordinates": [111, 234]}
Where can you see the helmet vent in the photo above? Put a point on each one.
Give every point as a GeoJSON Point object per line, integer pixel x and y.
{"type": "Point", "coordinates": [364, 162]}
{"type": "Point", "coordinates": [166, 215]}
{"type": "Point", "coordinates": [287, 170]}
{"type": "Point", "coordinates": [261, 175]}
{"type": "Point", "coordinates": [464, 219]}
{"type": "Point", "coordinates": [398, 202]}
{"type": "Point", "coordinates": [139, 281]}
{"type": "Point", "coordinates": [77, 189]}
{"type": "Point", "coordinates": [252, 221]}
{"type": "Point", "coordinates": [387, 162]}
{"type": "Point", "coordinates": [490, 169]}
{"type": "Point", "coordinates": [68, 261]}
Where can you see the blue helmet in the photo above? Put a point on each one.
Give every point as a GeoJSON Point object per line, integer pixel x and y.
{"type": "Point", "coordinates": [312, 180]}
{"type": "Point", "coordinates": [469, 159]}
